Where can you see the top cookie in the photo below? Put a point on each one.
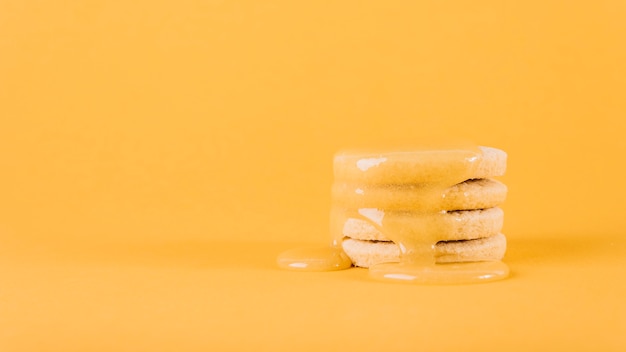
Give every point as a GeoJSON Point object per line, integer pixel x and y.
{"type": "Point", "coordinates": [413, 167]}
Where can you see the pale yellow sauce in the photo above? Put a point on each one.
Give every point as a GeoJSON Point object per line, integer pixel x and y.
{"type": "Point", "coordinates": [374, 188]}
{"type": "Point", "coordinates": [314, 259]}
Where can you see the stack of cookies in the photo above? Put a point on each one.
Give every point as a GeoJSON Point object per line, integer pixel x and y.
{"type": "Point", "coordinates": [467, 221]}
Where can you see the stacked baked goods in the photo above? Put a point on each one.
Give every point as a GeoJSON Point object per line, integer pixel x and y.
{"type": "Point", "coordinates": [446, 200]}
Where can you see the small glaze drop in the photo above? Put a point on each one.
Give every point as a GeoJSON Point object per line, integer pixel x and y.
{"type": "Point", "coordinates": [314, 259]}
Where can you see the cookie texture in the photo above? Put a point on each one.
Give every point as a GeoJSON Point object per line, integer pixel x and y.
{"type": "Point", "coordinates": [367, 253]}
{"type": "Point", "coordinates": [467, 195]}
{"type": "Point", "coordinates": [449, 226]}
{"type": "Point", "coordinates": [404, 168]}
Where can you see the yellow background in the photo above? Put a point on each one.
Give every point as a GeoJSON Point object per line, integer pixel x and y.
{"type": "Point", "coordinates": [156, 156]}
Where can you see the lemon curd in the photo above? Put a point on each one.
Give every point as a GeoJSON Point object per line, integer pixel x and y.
{"type": "Point", "coordinates": [403, 195]}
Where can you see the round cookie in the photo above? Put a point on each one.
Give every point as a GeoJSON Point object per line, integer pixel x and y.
{"type": "Point", "coordinates": [467, 195]}
{"type": "Point", "coordinates": [368, 253]}
{"type": "Point", "coordinates": [450, 226]}
{"type": "Point", "coordinates": [419, 166]}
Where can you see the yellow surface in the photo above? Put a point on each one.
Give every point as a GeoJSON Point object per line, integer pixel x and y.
{"type": "Point", "coordinates": [157, 155]}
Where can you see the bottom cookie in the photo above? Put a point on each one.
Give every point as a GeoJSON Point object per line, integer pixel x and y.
{"type": "Point", "coordinates": [368, 253]}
